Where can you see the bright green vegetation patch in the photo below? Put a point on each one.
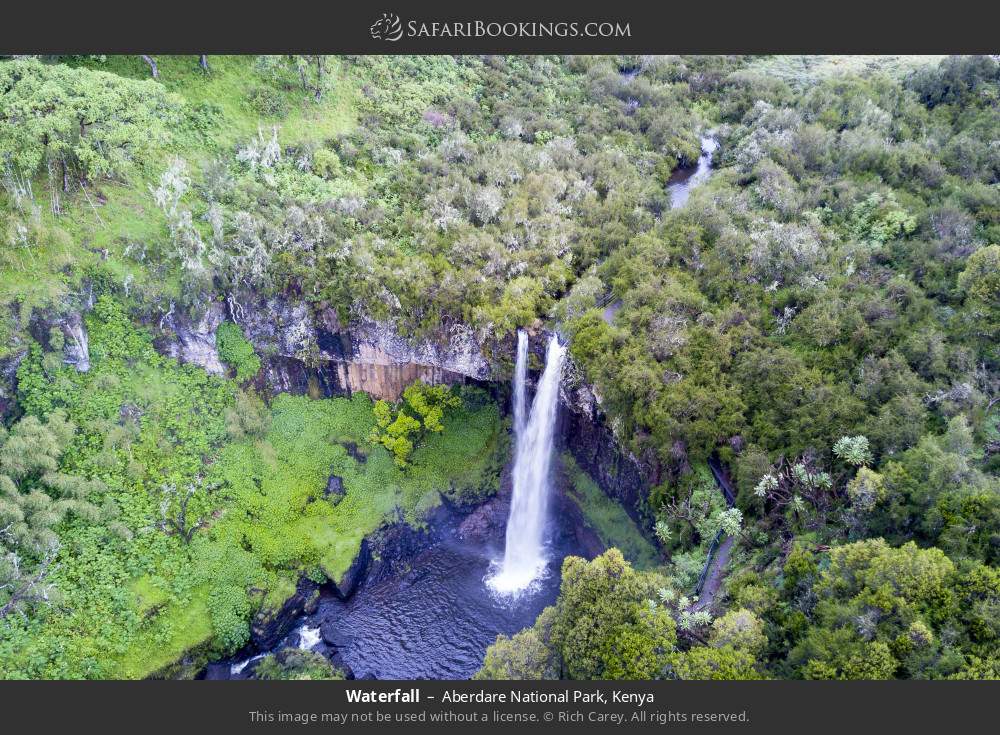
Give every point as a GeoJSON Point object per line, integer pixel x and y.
{"type": "Point", "coordinates": [608, 519]}
{"type": "Point", "coordinates": [236, 351]}
{"type": "Point", "coordinates": [278, 482]}
{"type": "Point", "coordinates": [463, 462]}
{"type": "Point", "coordinates": [150, 597]}
{"type": "Point", "coordinates": [181, 628]}
{"type": "Point", "coordinates": [209, 505]}
{"type": "Point", "coordinates": [279, 512]}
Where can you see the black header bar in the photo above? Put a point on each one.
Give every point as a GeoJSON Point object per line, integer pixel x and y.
{"type": "Point", "coordinates": [512, 26]}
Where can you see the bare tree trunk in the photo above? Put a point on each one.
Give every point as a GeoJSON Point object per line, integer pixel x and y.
{"type": "Point", "coordinates": [54, 200]}
{"type": "Point", "coordinates": [31, 588]}
{"type": "Point", "coordinates": [152, 65]}
{"type": "Point", "coordinates": [203, 63]}
{"type": "Point", "coordinates": [320, 59]}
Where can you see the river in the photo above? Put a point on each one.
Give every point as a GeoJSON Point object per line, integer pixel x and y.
{"type": "Point", "coordinates": [683, 180]}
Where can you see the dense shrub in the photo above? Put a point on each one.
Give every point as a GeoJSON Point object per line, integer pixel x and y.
{"type": "Point", "coordinates": [236, 351]}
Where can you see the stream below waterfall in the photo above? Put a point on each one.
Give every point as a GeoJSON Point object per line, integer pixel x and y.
{"type": "Point", "coordinates": [683, 180]}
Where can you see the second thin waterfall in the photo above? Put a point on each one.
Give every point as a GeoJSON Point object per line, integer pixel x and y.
{"type": "Point", "coordinates": [520, 381]}
{"type": "Point", "coordinates": [524, 557]}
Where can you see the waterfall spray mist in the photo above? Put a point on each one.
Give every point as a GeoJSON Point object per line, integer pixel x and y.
{"type": "Point", "coordinates": [524, 557]}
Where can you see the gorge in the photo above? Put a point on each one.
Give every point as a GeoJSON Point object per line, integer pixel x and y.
{"type": "Point", "coordinates": [436, 598]}
{"type": "Point", "coordinates": [440, 597]}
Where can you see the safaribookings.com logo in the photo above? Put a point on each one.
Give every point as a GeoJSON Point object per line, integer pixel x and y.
{"type": "Point", "coordinates": [387, 28]}
{"type": "Point", "coordinates": [390, 28]}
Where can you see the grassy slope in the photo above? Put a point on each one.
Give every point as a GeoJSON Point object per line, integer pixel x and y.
{"type": "Point", "coordinates": [227, 85]}
{"type": "Point", "coordinates": [103, 220]}
{"type": "Point", "coordinates": [608, 519]}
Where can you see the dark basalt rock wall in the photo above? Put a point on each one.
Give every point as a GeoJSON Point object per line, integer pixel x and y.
{"type": "Point", "coordinates": [363, 355]}
{"type": "Point", "coordinates": [8, 382]}
{"type": "Point", "coordinates": [587, 434]}
{"type": "Point", "coordinates": [578, 532]}
{"type": "Point", "coordinates": [620, 475]}
{"type": "Point", "coordinates": [267, 630]}
{"type": "Point", "coordinates": [355, 575]}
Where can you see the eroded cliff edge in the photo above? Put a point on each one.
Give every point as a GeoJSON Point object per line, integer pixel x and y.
{"type": "Point", "coordinates": [311, 351]}
{"type": "Point", "coordinates": [308, 350]}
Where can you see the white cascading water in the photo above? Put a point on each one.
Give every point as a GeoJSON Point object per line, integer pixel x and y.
{"type": "Point", "coordinates": [309, 638]}
{"type": "Point", "coordinates": [520, 380]}
{"type": "Point", "coordinates": [524, 558]}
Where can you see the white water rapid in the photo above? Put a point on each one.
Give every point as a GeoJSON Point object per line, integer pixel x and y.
{"type": "Point", "coordinates": [524, 555]}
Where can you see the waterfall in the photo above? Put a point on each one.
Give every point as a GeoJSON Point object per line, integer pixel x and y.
{"type": "Point", "coordinates": [520, 378]}
{"type": "Point", "coordinates": [309, 638]}
{"type": "Point", "coordinates": [524, 558]}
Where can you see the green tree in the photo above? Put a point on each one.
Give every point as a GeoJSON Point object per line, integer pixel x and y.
{"type": "Point", "coordinates": [236, 351]}
{"type": "Point", "coordinates": [394, 431]}
{"type": "Point", "coordinates": [740, 629]}
{"type": "Point", "coordinates": [981, 282]}
{"type": "Point", "coordinates": [35, 496]}
{"type": "Point", "coordinates": [526, 655]}
{"type": "Point", "coordinates": [83, 122]}
{"type": "Point", "coordinates": [604, 625]}
{"type": "Point", "coordinates": [421, 410]}
{"type": "Point", "coordinates": [708, 663]}
{"type": "Point", "coordinates": [428, 403]}
{"type": "Point", "coordinates": [854, 450]}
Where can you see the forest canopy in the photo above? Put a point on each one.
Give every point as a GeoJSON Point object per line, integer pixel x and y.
{"type": "Point", "coordinates": [820, 318]}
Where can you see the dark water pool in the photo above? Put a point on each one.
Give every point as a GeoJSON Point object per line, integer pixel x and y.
{"type": "Point", "coordinates": [433, 621]}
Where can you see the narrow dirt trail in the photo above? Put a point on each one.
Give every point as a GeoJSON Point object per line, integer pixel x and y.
{"type": "Point", "coordinates": [717, 568]}
{"type": "Point", "coordinates": [716, 573]}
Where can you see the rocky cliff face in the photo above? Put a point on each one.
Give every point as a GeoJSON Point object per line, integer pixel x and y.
{"type": "Point", "coordinates": [8, 382]}
{"type": "Point", "coordinates": [193, 340]}
{"type": "Point", "coordinates": [312, 352]}
{"type": "Point", "coordinates": [268, 628]}
{"type": "Point", "coordinates": [587, 434]}
{"type": "Point", "coordinates": [65, 323]}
